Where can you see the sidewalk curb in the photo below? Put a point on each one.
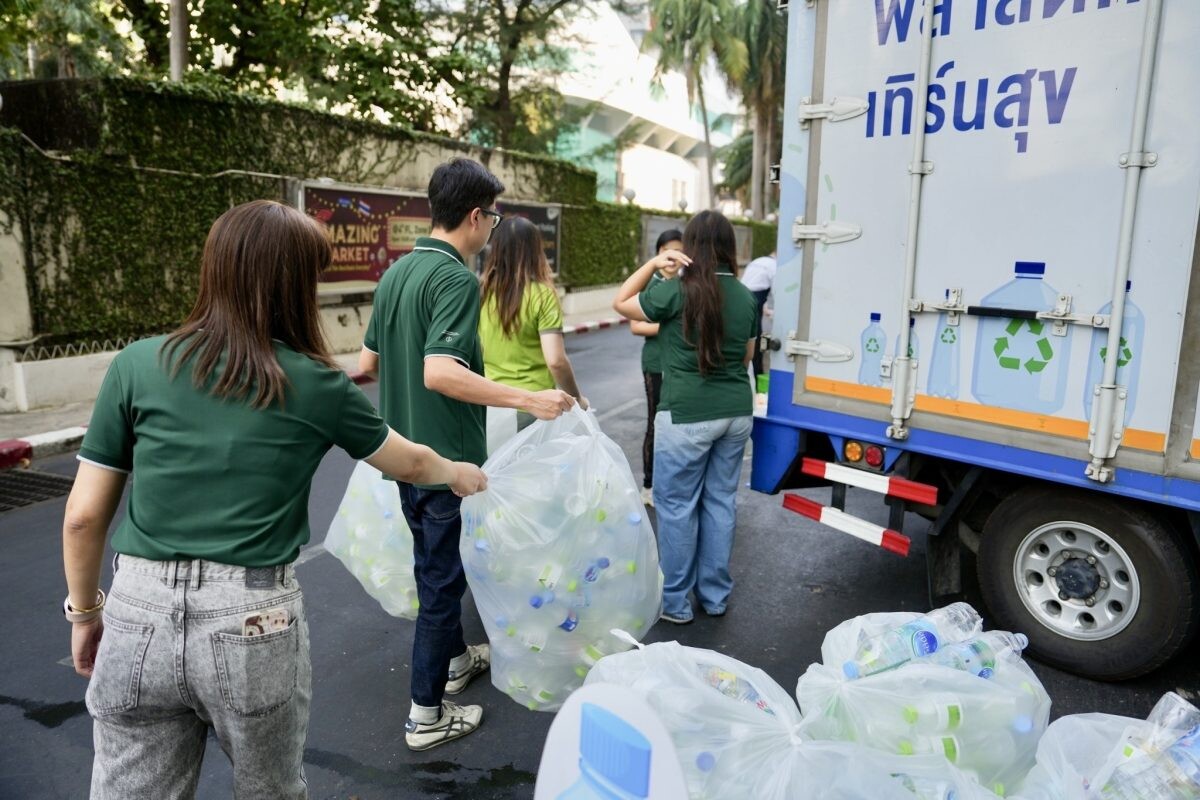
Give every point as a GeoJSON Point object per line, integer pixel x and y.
{"type": "Point", "coordinates": [22, 452]}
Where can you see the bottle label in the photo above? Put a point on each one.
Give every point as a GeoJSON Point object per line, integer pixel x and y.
{"type": "Point", "coordinates": [924, 643]}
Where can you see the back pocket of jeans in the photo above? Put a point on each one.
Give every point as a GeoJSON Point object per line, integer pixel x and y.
{"type": "Point", "coordinates": [117, 678]}
{"type": "Point", "coordinates": [257, 673]}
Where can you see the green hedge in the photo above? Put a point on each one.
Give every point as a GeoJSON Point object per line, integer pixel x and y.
{"type": "Point", "coordinates": [599, 243]}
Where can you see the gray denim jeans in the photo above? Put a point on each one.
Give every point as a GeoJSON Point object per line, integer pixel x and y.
{"type": "Point", "coordinates": [173, 662]}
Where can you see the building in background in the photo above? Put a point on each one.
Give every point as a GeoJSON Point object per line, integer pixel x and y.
{"type": "Point", "coordinates": [638, 136]}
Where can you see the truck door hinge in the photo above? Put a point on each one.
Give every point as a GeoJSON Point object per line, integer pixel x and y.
{"type": "Point", "coordinates": [836, 110]}
{"type": "Point", "coordinates": [826, 233]}
{"type": "Point", "coordinates": [817, 350]}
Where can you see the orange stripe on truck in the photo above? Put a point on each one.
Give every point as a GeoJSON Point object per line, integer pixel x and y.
{"type": "Point", "coordinates": [1022, 420]}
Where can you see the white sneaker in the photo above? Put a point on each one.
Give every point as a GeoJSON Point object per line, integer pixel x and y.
{"type": "Point", "coordinates": [648, 497]}
{"type": "Point", "coordinates": [457, 721]}
{"type": "Point", "coordinates": [481, 660]}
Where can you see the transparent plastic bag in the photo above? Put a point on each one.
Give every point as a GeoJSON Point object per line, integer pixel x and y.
{"type": "Point", "coordinates": [986, 726]}
{"type": "Point", "coordinates": [739, 735]}
{"type": "Point", "coordinates": [1072, 755]}
{"type": "Point", "coordinates": [370, 536]}
{"type": "Point", "coordinates": [558, 551]}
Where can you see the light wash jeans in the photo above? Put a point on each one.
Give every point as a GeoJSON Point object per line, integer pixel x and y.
{"type": "Point", "coordinates": [697, 466]}
{"type": "Point", "coordinates": [173, 662]}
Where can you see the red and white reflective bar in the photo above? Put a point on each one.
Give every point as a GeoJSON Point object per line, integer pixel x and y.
{"type": "Point", "coordinates": [890, 540]}
{"type": "Point", "coordinates": [884, 484]}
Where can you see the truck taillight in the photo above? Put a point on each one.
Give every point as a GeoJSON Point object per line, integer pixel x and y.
{"type": "Point", "coordinates": [853, 451]}
{"type": "Point", "coordinates": [874, 456]}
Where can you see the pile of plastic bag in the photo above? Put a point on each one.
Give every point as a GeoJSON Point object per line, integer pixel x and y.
{"type": "Point", "coordinates": [558, 552]}
{"type": "Point", "coordinates": [739, 735]}
{"type": "Point", "coordinates": [370, 536]}
{"type": "Point", "coordinates": [930, 684]}
{"type": "Point", "coordinates": [1105, 757]}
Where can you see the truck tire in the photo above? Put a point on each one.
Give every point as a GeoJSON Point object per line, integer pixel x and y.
{"type": "Point", "coordinates": [1103, 587]}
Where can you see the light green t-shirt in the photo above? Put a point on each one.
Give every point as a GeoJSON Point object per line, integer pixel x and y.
{"type": "Point", "coordinates": [518, 360]}
{"type": "Point", "coordinates": [688, 395]}
{"type": "Point", "coordinates": [216, 478]}
{"type": "Point", "coordinates": [427, 304]}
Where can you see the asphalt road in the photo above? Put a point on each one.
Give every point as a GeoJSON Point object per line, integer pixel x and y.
{"type": "Point", "coordinates": [795, 580]}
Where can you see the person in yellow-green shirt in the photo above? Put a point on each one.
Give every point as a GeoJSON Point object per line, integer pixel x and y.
{"type": "Point", "coordinates": [521, 320]}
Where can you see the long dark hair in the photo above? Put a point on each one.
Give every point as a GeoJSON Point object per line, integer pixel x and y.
{"type": "Point", "coordinates": [258, 282]}
{"type": "Point", "coordinates": [517, 260]}
{"type": "Point", "coordinates": [710, 242]}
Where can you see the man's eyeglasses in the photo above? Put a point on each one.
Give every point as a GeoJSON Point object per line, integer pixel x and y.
{"type": "Point", "coordinates": [496, 216]}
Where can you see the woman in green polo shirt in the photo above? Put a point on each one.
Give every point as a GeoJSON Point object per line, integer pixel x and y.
{"type": "Point", "coordinates": [520, 319]}
{"type": "Point", "coordinates": [706, 326]}
{"type": "Point", "coordinates": [223, 423]}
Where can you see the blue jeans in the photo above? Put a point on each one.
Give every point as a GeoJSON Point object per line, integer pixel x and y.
{"type": "Point", "coordinates": [433, 516]}
{"type": "Point", "coordinates": [697, 466]}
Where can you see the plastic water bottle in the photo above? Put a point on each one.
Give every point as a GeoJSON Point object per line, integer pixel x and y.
{"type": "Point", "coordinates": [921, 637]}
{"type": "Point", "coordinates": [614, 759]}
{"type": "Point", "coordinates": [1170, 775]}
{"type": "Point", "coordinates": [979, 656]}
{"type": "Point", "coordinates": [1019, 363]}
{"type": "Point", "coordinates": [1129, 360]}
{"type": "Point", "coordinates": [947, 746]}
{"type": "Point", "coordinates": [937, 713]}
{"type": "Point", "coordinates": [874, 342]}
{"type": "Point", "coordinates": [943, 365]}
{"type": "Point", "coordinates": [914, 345]}
{"type": "Point", "coordinates": [733, 686]}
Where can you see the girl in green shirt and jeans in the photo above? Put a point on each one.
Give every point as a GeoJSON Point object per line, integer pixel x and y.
{"type": "Point", "coordinates": [521, 320]}
{"type": "Point", "coordinates": [224, 423]}
{"type": "Point", "coordinates": [706, 325]}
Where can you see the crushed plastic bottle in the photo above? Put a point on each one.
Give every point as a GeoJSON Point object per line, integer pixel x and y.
{"type": "Point", "coordinates": [733, 686]}
{"type": "Point", "coordinates": [981, 655]}
{"type": "Point", "coordinates": [1170, 775]}
{"type": "Point", "coordinates": [921, 637]}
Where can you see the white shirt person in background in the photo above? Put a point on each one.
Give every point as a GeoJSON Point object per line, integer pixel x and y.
{"type": "Point", "coordinates": [759, 277]}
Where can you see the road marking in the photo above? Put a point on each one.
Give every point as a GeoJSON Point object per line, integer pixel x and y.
{"type": "Point", "coordinates": [66, 662]}
{"type": "Point", "coordinates": [621, 409]}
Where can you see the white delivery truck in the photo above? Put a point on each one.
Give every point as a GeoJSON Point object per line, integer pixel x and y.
{"type": "Point", "coordinates": [988, 304]}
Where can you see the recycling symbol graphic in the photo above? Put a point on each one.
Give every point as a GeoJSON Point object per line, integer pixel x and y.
{"type": "Point", "coordinates": [1124, 358]}
{"type": "Point", "coordinates": [948, 335]}
{"type": "Point", "coordinates": [872, 345]}
{"type": "Point", "coordinates": [1009, 358]}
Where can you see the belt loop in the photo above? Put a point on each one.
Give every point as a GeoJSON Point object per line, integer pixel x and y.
{"type": "Point", "coordinates": [195, 576]}
{"type": "Point", "coordinates": [172, 574]}
{"type": "Point", "coordinates": [281, 575]}
{"type": "Point", "coordinates": [114, 564]}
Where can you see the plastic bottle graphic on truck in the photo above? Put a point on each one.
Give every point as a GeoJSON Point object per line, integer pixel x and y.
{"type": "Point", "coordinates": [874, 341]}
{"type": "Point", "coordinates": [1129, 362]}
{"type": "Point", "coordinates": [1019, 363]}
{"type": "Point", "coordinates": [914, 344]}
{"type": "Point", "coordinates": [943, 365]}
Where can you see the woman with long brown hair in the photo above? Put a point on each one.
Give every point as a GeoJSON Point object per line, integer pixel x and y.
{"type": "Point", "coordinates": [521, 320]}
{"type": "Point", "coordinates": [223, 422]}
{"type": "Point", "coordinates": [706, 324]}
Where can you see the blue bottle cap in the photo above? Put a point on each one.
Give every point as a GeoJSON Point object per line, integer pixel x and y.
{"type": "Point", "coordinates": [876, 316]}
{"type": "Point", "coordinates": [1128, 285]}
{"type": "Point", "coordinates": [536, 601]}
{"type": "Point", "coordinates": [1023, 724]}
{"type": "Point", "coordinates": [1030, 268]}
{"type": "Point", "coordinates": [706, 761]}
{"type": "Point", "coordinates": [635, 518]}
{"type": "Point", "coordinates": [912, 322]}
{"type": "Point", "coordinates": [615, 749]}
{"type": "Point", "coordinates": [602, 562]}
{"type": "Point", "coordinates": [850, 670]}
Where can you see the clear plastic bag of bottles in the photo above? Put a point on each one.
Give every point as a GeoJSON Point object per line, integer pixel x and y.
{"type": "Point", "coordinates": [1071, 756]}
{"type": "Point", "coordinates": [370, 536]}
{"type": "Point", "coordinates": [933, 684]}
{"type": "Point", "coordinates": [1158, 758]}
{"type": "Point", "coordinates": [739, 735]}
{"type": "Point", "coordinates": [558, 552]}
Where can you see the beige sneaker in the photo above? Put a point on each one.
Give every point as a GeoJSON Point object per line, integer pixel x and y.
{"type": "Point", "coordinates": [457, 721]}
{"type": "Point", "coordinates": [481, 660]}
{"type": "Point", "coordinates": [648, 497]}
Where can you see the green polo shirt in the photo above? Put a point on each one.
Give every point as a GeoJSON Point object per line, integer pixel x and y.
{"type": "Point", "coordinates": [427, 304]}
{"type": "Point", "coordinates": [652, 348]}
{"type": "Point", "coordinates": [725, 392]}
{"type": "Point", "coordinates": [518, 360]}
{"type": "Point", "coordinates": [218, 479]}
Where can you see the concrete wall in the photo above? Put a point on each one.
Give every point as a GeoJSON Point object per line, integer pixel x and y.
{"type": "Point", "coordinates": [16, 321]}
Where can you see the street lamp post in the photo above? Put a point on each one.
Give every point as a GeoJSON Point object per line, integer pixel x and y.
{"type": "Point", "coordinates": [179, 38]}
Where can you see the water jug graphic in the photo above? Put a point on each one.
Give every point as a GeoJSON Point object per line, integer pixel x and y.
{"type": "Point", "coordinates": [943, 365]}
{"type": "Point", "coordinates": [874, 340]}
{"type": "Point", "coordinates": [1129, 361]}
{"type": "Point", "coordinates": [1019, 363]}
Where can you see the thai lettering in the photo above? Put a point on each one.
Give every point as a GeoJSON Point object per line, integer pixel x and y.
{"type": "Point", "coordinates": [898, 16]}
{"type": "Point", "coordinates": [1011, 12]}
{"type": "Point", "coordinates": [972, 104]}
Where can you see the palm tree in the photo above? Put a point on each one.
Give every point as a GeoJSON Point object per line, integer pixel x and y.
{"type": "Point", "coordinates": [763, 29]}
{"type": "Point", "coordinates": [689, 36]}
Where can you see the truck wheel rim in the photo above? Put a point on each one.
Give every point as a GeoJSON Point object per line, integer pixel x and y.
{"type": "Point", "coordinates": [1077, 581]}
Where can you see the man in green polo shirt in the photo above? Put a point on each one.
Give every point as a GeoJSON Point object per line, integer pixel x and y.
{"type": "Point", "coordinates": [422, 344]}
